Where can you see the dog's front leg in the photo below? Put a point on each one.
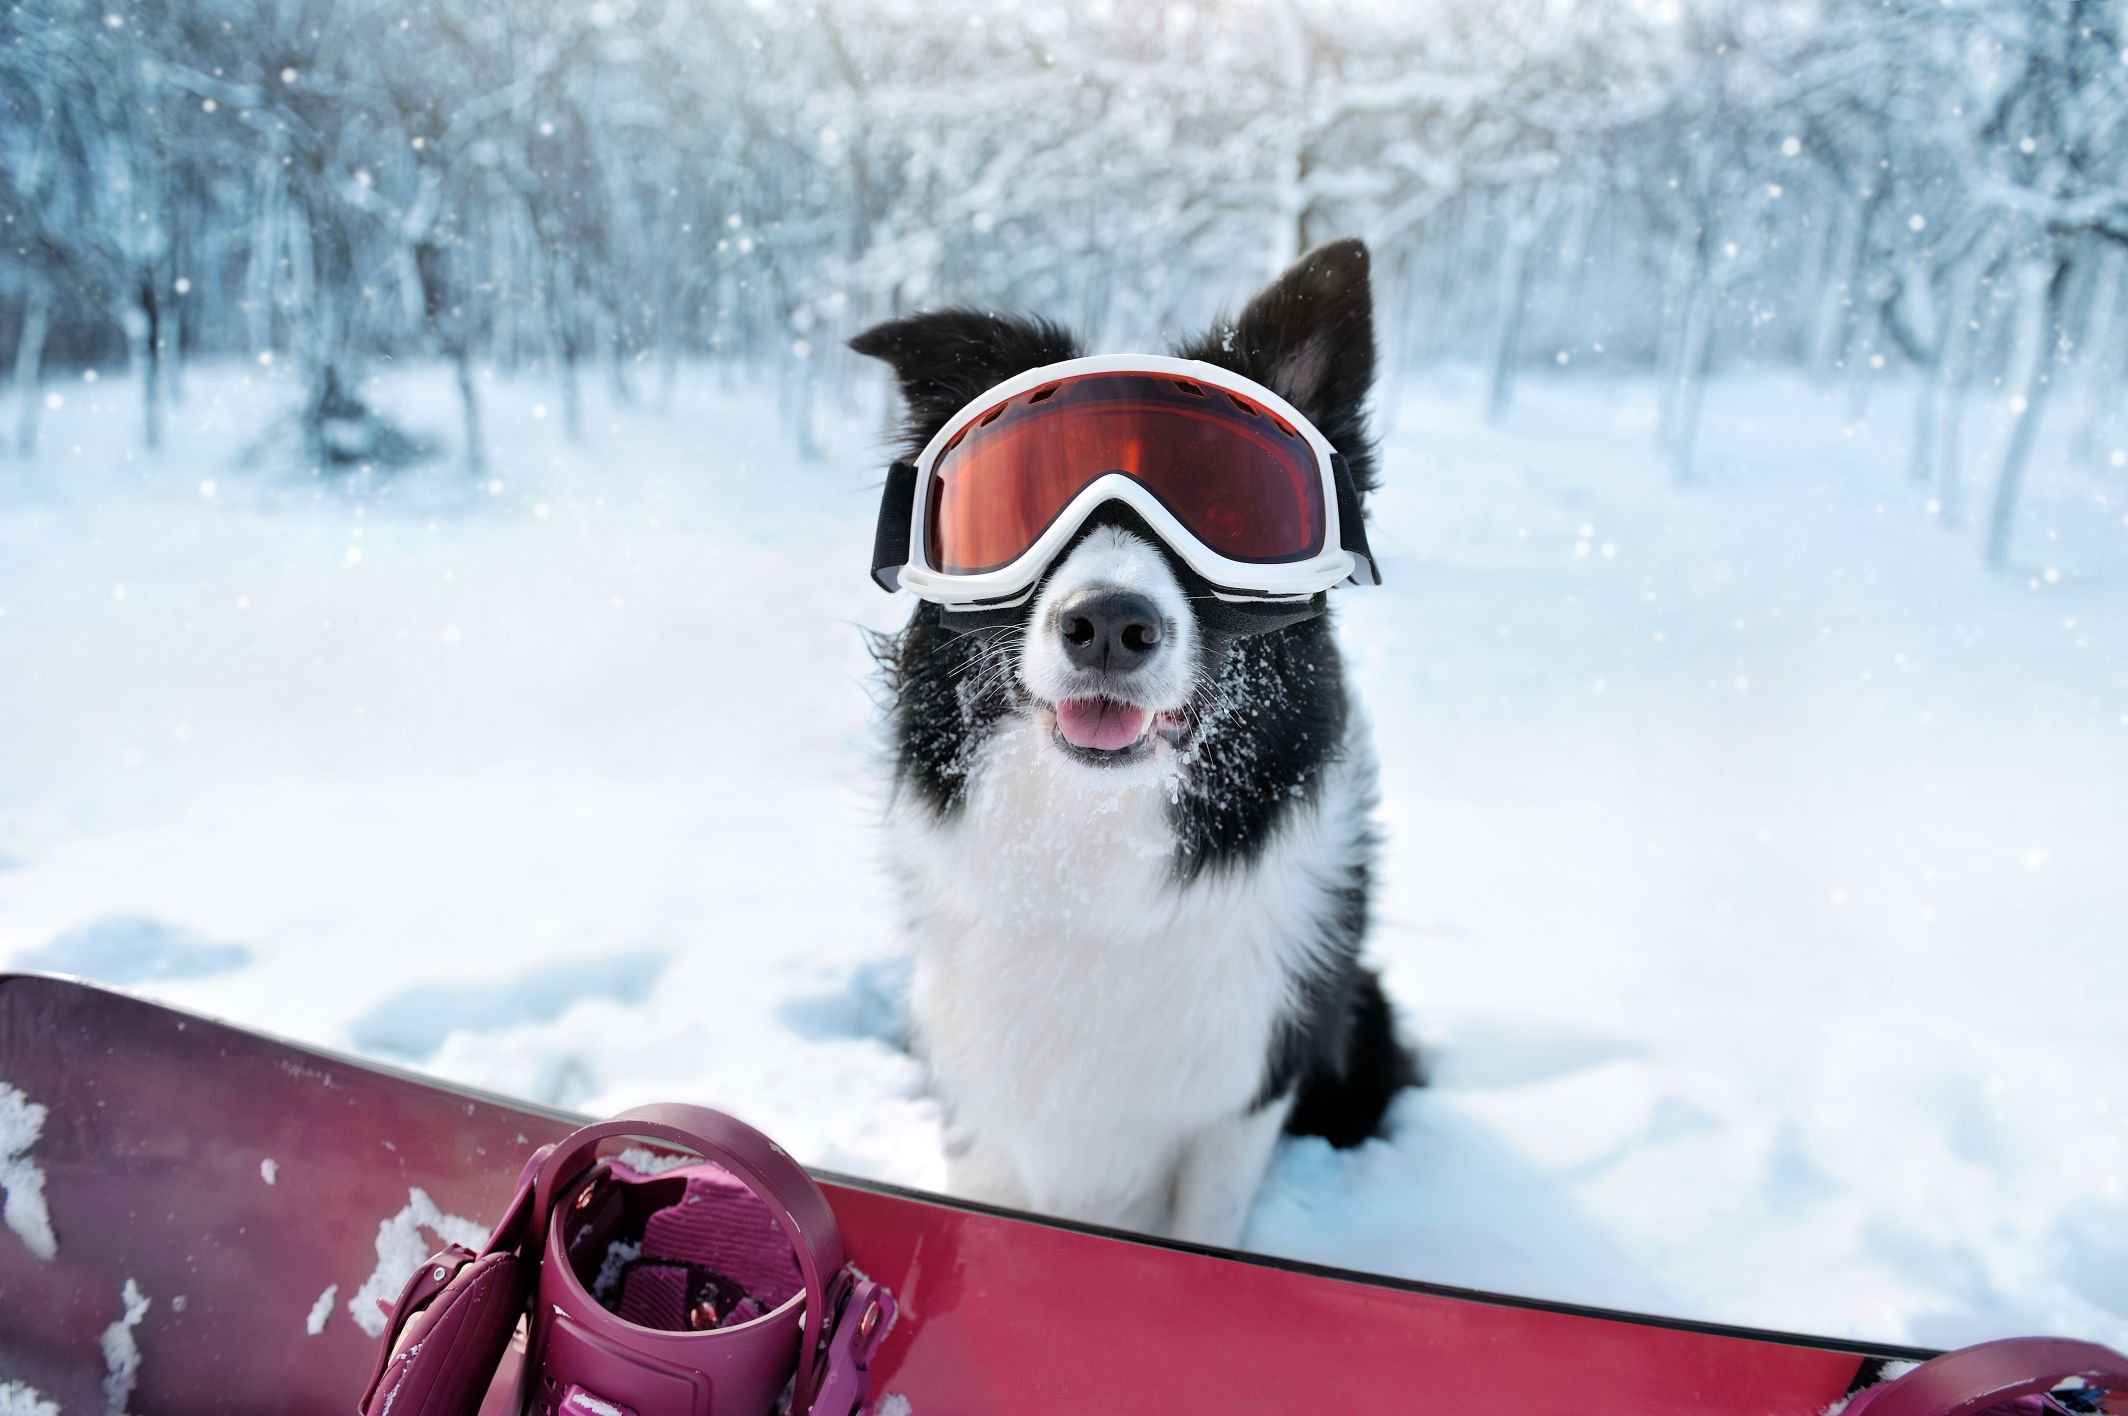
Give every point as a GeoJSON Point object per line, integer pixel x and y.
{"type": "Point", "coordinates": [1222, 1167]}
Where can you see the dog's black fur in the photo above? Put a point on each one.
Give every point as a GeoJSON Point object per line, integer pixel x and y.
{"type": "Point", "coordinates": [1275, 711]}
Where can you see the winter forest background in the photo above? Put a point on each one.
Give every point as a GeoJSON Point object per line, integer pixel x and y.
{"type": "Point", "coordinates": [1857, 188]}
{"type": "Point", "coordinates": [434, 496]}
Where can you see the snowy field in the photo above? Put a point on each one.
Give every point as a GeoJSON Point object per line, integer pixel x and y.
{"type": "Point", "coordinates": [1755, 869]}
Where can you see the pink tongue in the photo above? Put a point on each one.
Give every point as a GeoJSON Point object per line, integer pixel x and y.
{"type": "Point", "coordinates": [1102, 724]}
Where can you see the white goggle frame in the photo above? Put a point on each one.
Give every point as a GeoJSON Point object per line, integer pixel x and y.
{"type": "Point", "coordinates": [1012, 583]}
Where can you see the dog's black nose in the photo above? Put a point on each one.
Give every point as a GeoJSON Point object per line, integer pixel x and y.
{"type": "Point", "coordinates": [1111, 630]}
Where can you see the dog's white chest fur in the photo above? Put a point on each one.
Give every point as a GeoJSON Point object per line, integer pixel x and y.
{"type": "Point", "coordinates": [1098, 1029]}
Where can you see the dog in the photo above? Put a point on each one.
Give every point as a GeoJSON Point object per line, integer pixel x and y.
{"type": "Point", "coordinates": [1136, 966]}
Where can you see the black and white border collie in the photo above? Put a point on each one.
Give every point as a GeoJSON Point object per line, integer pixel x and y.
{"type": "Point", "coordinates": [1136, 965]}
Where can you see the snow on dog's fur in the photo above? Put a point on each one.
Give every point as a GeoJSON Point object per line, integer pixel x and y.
{"type": "Point", "coordinates": [1137, 896]}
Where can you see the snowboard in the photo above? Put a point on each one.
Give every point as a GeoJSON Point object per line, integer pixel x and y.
{"type": "Point", "coordinates": [199, 1219]}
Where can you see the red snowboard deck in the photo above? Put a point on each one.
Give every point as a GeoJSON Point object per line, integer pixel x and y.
{"type": "Point", "coordinates": [232, 1178]}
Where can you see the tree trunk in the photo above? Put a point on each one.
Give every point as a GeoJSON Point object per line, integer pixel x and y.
{"type": "Point", "coordinates": [29, 367]}
{"type": "Point", "coordinates": [143, 324]}
{"type": "Point", "coordinates": [262, 255]}
{"type": "Point", "coordinates": [1921, 461]}
{"type": "Point", "coordinates": [1393, 305]}
{"type": "Point", "coordinates": [566, 334]}
{"type": "Point", "coordinates": [669, 326]}
{"type": "Point", "coordinates": [572, 395]}
{"type": "Point", "coordinates": [1939, 433]}
{"type": "Point", "coordinates": [1695, 346]}
{"type": "Point", "coordinates": [1688, 272]}
{"type": "Point", "coordinates": [2104, 357]}
{"type": "Point", "coordinates": [613, 342]}
{"type": "Point", "coordinates": [1289, 220]}
{"type": "Point", "coordinates": [805, 377]}
{"type": "Point", "coordinates": [318, 400]}
{"type": "Point", "coordinates": [2039, 323]}
{"type": "Point", "coordinates": [1861, 392]}
{"type": "Point", "coordinates": [1950, 444]}
{"type": "Point", "coordinates": [173, 353]}
{"type": "Point", "coordinates": [1516, 265]}
{"type": "Point", "coordinates": [1833, 327]}
{"type": "Point", "coordinates": [469, 405]}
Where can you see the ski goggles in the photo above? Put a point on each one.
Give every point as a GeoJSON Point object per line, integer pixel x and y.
{"type": "Point", "coordinates": [1237, 483]}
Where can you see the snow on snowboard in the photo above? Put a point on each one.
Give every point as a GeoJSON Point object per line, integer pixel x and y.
{"type": "Point", "coordinates": [201, 1219]}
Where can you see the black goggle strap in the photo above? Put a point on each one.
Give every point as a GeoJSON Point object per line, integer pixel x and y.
{"type": "Point", "coordinates": [890, 542]}
{"type": "Point", "coordinates": [1234, 619]}
{"type": "Point", "coordinates": [1352, 524]}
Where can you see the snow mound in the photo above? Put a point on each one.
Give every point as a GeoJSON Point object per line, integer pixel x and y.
{"type": "Point", "coordinates": [401, 1249]}
{"type": "Point", "coordinates": [21, 1180]}
{"type": "Point", "coordinates": [873, 1003]}
{"type": "Point", "coordinates": [1739, 886]}
{"type": "Point", "coordinates": [414, 1023]}
{"type": "Point", "coordinates": [17, 1399]}
{"type": "Point", "coordinates": [644, 1161]}
{"type": "Point", "coordinates": [321, 1311]}
{"type": "Point", "coordinates": [121, 1353]}
{"type": "Point", "coordinates": [130, 949]}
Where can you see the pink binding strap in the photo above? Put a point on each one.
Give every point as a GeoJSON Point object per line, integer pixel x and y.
{"type": "Point", "coordinates": [765, 1166]}
{"type": "Point", "coordinates": [1981, 1378]}
{"type": "Point", "coordinates": [428, 1285]}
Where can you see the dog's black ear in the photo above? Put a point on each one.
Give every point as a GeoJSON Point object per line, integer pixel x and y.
{"type": "Point", "coordinates": [1309, 335]}
{"type": "Point", "coordinates": [946, 358]}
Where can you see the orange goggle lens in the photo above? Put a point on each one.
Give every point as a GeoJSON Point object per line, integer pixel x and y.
{"type": "Point", "coordinates": [1234, 473]}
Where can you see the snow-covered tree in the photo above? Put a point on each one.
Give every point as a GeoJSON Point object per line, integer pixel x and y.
{"type": "Point", "coordinates": [1933, 189]}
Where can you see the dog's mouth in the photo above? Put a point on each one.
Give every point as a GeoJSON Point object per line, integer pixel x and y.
{"type": "Point", "coordinates": [1112, 730]}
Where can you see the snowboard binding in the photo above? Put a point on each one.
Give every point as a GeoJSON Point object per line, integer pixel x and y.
{"type": "Point", "coordinates": [711, 1289]}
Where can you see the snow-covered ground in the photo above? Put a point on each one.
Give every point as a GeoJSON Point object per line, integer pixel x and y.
{"type": "Point", "coordinates": [1757, 868]}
